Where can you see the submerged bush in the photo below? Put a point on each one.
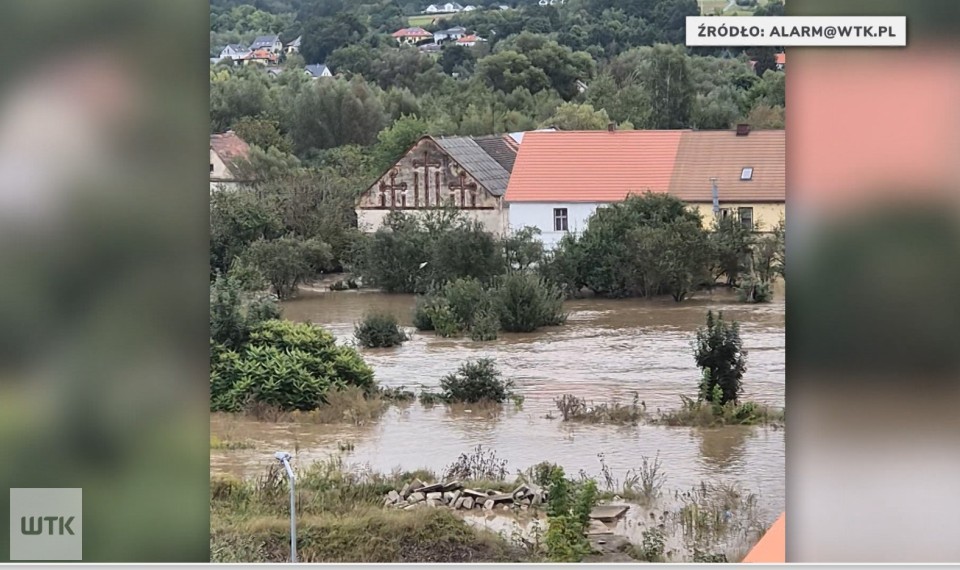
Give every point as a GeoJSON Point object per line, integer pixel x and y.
{"type": "Point", "coordinates": [720, 356]}
{"type": "Point", "coordinates": [286, 365]}
{"type": "Point", "coordinates": [379, 330]}
{"type": "Point", "coordinates": [528, 302]}
{"type": "Point", "coordinates": [752, 290]}
{"type": "Point", "coordinates": [477, 381]}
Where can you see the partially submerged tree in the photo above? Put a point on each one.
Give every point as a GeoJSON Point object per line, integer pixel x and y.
{"type": "Point", "coordinates": [720, 356]}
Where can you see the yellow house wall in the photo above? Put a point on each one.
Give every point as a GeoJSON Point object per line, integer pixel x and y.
{"type": "Point", "coordinates": [766, 215]}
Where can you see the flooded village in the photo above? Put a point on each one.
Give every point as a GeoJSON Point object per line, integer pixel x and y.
{"type": "Point", "coordinates": [504, 293]}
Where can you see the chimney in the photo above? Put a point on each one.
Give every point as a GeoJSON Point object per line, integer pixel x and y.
{"type": "Point", "coordinates": [611, 126]}
{"type": "Point", "coordinates": [743, 129]}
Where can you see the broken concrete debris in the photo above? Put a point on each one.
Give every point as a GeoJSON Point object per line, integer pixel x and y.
{"type": "Point", "coordinates": [452, 494]}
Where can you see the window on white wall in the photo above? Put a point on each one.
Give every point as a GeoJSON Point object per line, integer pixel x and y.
{"type": "Point", "coordinates": [746, 218]}
{"type": "Point", "coordinates": [560, 219]}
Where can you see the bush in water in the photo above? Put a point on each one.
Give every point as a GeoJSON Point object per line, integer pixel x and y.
{"type": "Point", "coordinates": [719, 354]}
{"type": "Point", "coordinates": [528, 302]}
{"type": "Point", "coordinates": [379, 330]}
{"type": "Point", "coordinates": [477, 381]}
{"type": "Point", "coordinates": [287, 365]}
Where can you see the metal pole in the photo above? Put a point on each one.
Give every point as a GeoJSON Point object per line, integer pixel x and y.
{"type": "Point", "coordinates": [284, 459]}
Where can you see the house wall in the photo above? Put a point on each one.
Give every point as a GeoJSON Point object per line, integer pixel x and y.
{"type": "Point", "coordinates": [540, 215]}
{"type": "Point", "coordinates": [766, 215]}
{"type": "Point", "coordinates": [220, 172]}
{"type": "Point", "coordinates": [412, 187]}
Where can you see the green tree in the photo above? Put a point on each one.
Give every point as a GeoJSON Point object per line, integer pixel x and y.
{"type": "Point", "coordinates": [238, 219]}
{"type": "Point", "coordinates": [286, 262]}
{"type": "Point", "coordinates": [262, 132]}
{"type": "Point", "coordinates": [671, 258]}
{"type": "Point", "coordinates": [336, 112]}
{"type": "Point", "coordinates": [732, 247]}
{"type": "Point", "coordinates": [456, 57]}
{"type": "Point", "coordinates": [665, 75]}
{"type": "Point", "coordinates": [323, 35]}
{"type": "Point", "coordinates": [268, 164]}
{"type": "Point", "coordinates": [720, 356]}
{"type": "Point", "coordinates": [397, 139]}
{"type": "Point", "coordinates": [508, 70]}
{"type": "Point", "coordinates": [765, 117]}
{"type": "Point", "coordinates": [523, 248]}
{"type": "Point", "coordinates": [582, 117]}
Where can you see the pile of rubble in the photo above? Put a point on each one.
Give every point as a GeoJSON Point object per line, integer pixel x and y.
{"type": "Point", "coordinates": [455, 496]}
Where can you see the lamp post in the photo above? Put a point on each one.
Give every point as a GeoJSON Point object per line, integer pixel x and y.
{"type": "Point", "coordinates": [284, 459]}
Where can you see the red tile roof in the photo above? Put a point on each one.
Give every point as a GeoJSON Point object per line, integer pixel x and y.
{"type": "Point", "coordinates": [592, 166]}
{"type": "Point", "coordinates": [723, 155]}
{"type": "Point", "coordinates": [229, 147]}
{"type": "Point", "coordinates": [600, 166]}
{"type": "Point", "coordinates": [471, 39]}
{"type": "Point", "coordinates": [412, 33]}
{"type": "Point", "coordinates": [781, 58]}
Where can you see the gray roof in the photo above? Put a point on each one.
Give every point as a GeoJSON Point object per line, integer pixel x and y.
{"type": "Point", "coordinates": [474, 159]}
{"type": "Point", "coordinates": [498, 149]}
{"type": "Point", "coordinates": [264, 41]}
{"type": "Point", "coordinates": [453, 30]}
{"type": "Point", "coordinates": [316, 69]}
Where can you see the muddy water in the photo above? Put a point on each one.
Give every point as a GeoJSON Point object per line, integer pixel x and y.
{"type": "Point", "coordinates": [608, 349]}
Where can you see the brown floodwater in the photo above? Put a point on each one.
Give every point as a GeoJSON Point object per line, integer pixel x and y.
{"type": "Point", "coordinates": [608, 349]}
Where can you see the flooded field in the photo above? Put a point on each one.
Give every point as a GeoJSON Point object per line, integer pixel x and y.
{"type": "Point", "coordinates": [608, 349]}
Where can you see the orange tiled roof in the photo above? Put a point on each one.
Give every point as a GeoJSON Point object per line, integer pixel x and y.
{"type": "Point", "coordinates": [723, 155]}
{"type": "Point", "coordinates": [592, 166]}
{"type": "Point", "coordinates": [781, 58]}
{"type": "Point", "coordinates": [229, 147]}
{"type": "Point", "coordinates": [468, 39]}
{"type": "Point", "coordinates": [412, 33]}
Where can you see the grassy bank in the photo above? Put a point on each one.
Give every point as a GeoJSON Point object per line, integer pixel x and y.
{"type": "Point", "coordinates": [343, 516]}
{"type": "Point", "coordinates": [341, 519]}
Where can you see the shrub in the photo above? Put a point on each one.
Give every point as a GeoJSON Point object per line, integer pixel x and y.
{"type": "Point", "coordinates": [234, 312]}
{"type": "Point", "coordinates": [286, 365]}
{"type": "Point", "coordinates": [486, 325]}
{"type": "Point", "coordinates": [421, 312]}
{"type": "Point", "coordinates": [753, 290]}
{"type": "Point", "coordinates": [287, 262]}
{"type": "Point", "coordinates": [528, 302]}
{"type": "Point", "coordinates": [379, 330]}
{"type": "Point", "coordinates": [577, 409]}
{"type": "Point", "coordinates": [720, 356]}
{"type": "Point", "coordinates": [338, 285]}
{"type": "Point", "coordinates": [476, 382]}
{"type": "Point", "coordinates": [568, 510]}
{"type": "Point", "coordinates": [481, 465]}
{"type": "Point", "coordinates": [466, 297]}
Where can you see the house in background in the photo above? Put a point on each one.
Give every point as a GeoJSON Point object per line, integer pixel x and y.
{"type": "Point", "coordinates": [561, 178]}
{"type": "Point", "coordinates": [234, 52]}
{"type": "Point", "coordinates": [317, 70]}
{"type": "Point", "coordinates": [448, 8]}
{"type": "Point", "coordinates": [261, 57]}
{"type": "Point", "coordinates": [270, 43]}
{"type": "Point", "coordinates": [411, 36]}
{"type": "Point", "coordinates": [454, 33]}
{"type": "Point", "coordinates": [781, 61]}
{"type": "Point", "coordinates": [467, 173]}
{"type": "Point", "coordinates": [470, 41]}
{"type": "Point", "coordinates": [747, 168]}
{"type": "Point", "coordinates": [294, 46]}
{"type": "Point", "coordinates": [225, 150]}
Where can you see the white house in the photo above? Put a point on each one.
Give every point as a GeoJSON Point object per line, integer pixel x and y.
{"type": "Point", "coordinates": [270, 43]}
{"type": "Point", "coordinates": [234, 52]}
{"type": "Point", "coordinates": [448, 8]}
{"type": "Point", "coordinates": [294, 46]}
{"type": "Point", "coordinates": [560, 179]}
{"type": "Point", "coordinates": [225, 150]}
{"type": "Point", "coordinates": [454, 33]}
{"type": "Point", "coordinates": [317, 70]}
